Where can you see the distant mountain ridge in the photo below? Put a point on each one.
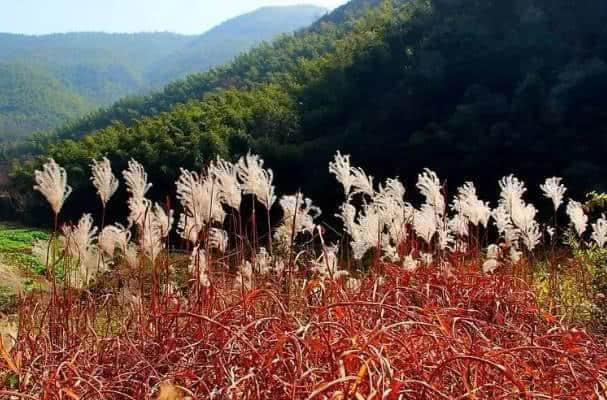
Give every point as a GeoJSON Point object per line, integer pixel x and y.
{"type": "Point", "coordinates": [94, 69]}
{"type": "Point", "coordinates": [223, 42]}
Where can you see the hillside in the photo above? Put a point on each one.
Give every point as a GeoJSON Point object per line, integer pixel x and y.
{"type": "Point", "coordinates": [100, 68]}
{"type": "Point", "coordinates": [267, 62]}
{"type": "Point", "coordinates": [31, 99]}
{"type": "Point", "coordinates": [222, 43]}
{"type": "Point", "coordinates": [469, 89]}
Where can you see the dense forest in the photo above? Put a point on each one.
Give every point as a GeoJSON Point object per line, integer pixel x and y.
{"type": "Point", "coordinates": [47, 81]}
{"type": "Point", "coordinates": [32, 99]}
{"type": "Point", "coordinates": [473, 89]}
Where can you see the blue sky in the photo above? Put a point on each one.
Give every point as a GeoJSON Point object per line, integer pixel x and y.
{"type": "Point", "coordinates": [182, 16]}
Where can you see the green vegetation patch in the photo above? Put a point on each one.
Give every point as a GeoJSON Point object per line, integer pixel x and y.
{"type": "Point", "coordinates": [16, 246]}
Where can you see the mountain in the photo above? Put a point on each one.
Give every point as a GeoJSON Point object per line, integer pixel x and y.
{"type": "Point", "coordinates": [32, 99]}
{"type": "Point", "coordinates": [470, 89]}
{"type": "Point", "coordinates": [98, 66]}
{"type": "Point", "coordinates": [96, 69]}
{"type": "Point", "coordinates": [222, 43]}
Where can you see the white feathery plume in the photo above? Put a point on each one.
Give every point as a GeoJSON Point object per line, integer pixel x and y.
{"type": "Point", "coordinates": [112, 237]}
{"type": "Point", "coordinates": [425, 222]}
{"type": "Point", "coordinates": [389, 194]}
{"type": "Point", "coordinates": [389, 252]}
{"type": "Point", "coordinates": [218, 239]}
{"type": "Point", "coordinates": [201, 202]}
{"type": "Point", "coordinates": [226, 177]}
{"type": "Point", "coordinates": [599, 231]}
{"type": "Point", "coordinates": [468, 204]}
{"type": "Point", "coordinates": [512, 191]}
{"type": "Point", "coordinates": [395, 220]}
{"type": "Point", "coordinates": [137, 185]}
{"type": "Point", "coordinates": [365, 232]}
{"type": "Point", "coordinates": [531, 236]}
{"type": "Point", "coordinates": [354, 180]}
{"type": "Point", "coordinates": [503, 222]}
{"type": "Point", "coordinates": [79, 246]}
{"type": "Point", "coordinates": [493, 252]}
{"type": "Point", "coordinates": [578, 218]}
{"type": "Point", "coordinates": [52, 183]}
{"type": "Point", "coordinates": [198, 267]}
{"type": "Point", "coordinates": [459, 225]}
{"type": "Point", "coordinates": [341, 168]}
{"type": "Point", "coordinates": [256, 180]}
{"type": "Point", "coordinates": [104, 180]}
{"type": "Point", "coordinates": [554, 190]}
{"type": "Point", "coordinates": [361, 182]}
{"type": "Point", "coordinates": [429, 186]}
{"type": "Point", "coordinates": [298, 216]}
{"type": "Point", "coordinates": [393, 212]}
{"type": "Point", "coordinates": [348, 216]}
{"type": "Point", "coordinates": [79, 238]}
{"type": "Point", "coordinates": [520, 215]}
{"type": "Point", "coordinates": [156, 228]}
{"type": "Point", "coordinates": [523, 215]}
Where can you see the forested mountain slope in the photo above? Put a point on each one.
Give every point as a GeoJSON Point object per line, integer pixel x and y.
{"type": "Point", "coordinates": [222, 43]}
{"type": "Point", "coordinates": [96, 69]}
{"type": "Point", "coordinates": [32, 99]}
{"type": "Point", "coordinates": [471, 89]}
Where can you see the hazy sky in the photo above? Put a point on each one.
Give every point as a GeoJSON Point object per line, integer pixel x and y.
{"type": "Point", "coordinates": [183, 16]}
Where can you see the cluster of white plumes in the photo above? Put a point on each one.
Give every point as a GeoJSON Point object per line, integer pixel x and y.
{"type": "Point", "coordinates": [79, 247]}
{"type": "Point", "coordinates": [384, 219]}
{"type": "Point", "coordinates": [152, 221]}
{"type": "Point", "coordinates": [87, 254]}
{"type": "Point", "coordinates": [373, 217]}
{"type": "Point", "coordinates": [204, 197]}
{"type": "Point", "coordinates": [383, 216]}
{"type": "Point", "coordinates": [298, 215]}
{"type": "Point", "coordinates": [515, 219]}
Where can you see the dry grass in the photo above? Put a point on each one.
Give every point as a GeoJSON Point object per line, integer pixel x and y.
{"type": "Point", "coordinates": [405, 335]}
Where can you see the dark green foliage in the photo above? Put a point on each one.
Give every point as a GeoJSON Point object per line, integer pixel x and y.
{"type": "Point", "coordinates": [474, 90]}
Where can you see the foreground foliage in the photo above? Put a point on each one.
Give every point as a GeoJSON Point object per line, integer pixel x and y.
{"type": "Point", "coordinates": [404, 335]}
{"type": "Point", "coordinates": [409, 303]}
